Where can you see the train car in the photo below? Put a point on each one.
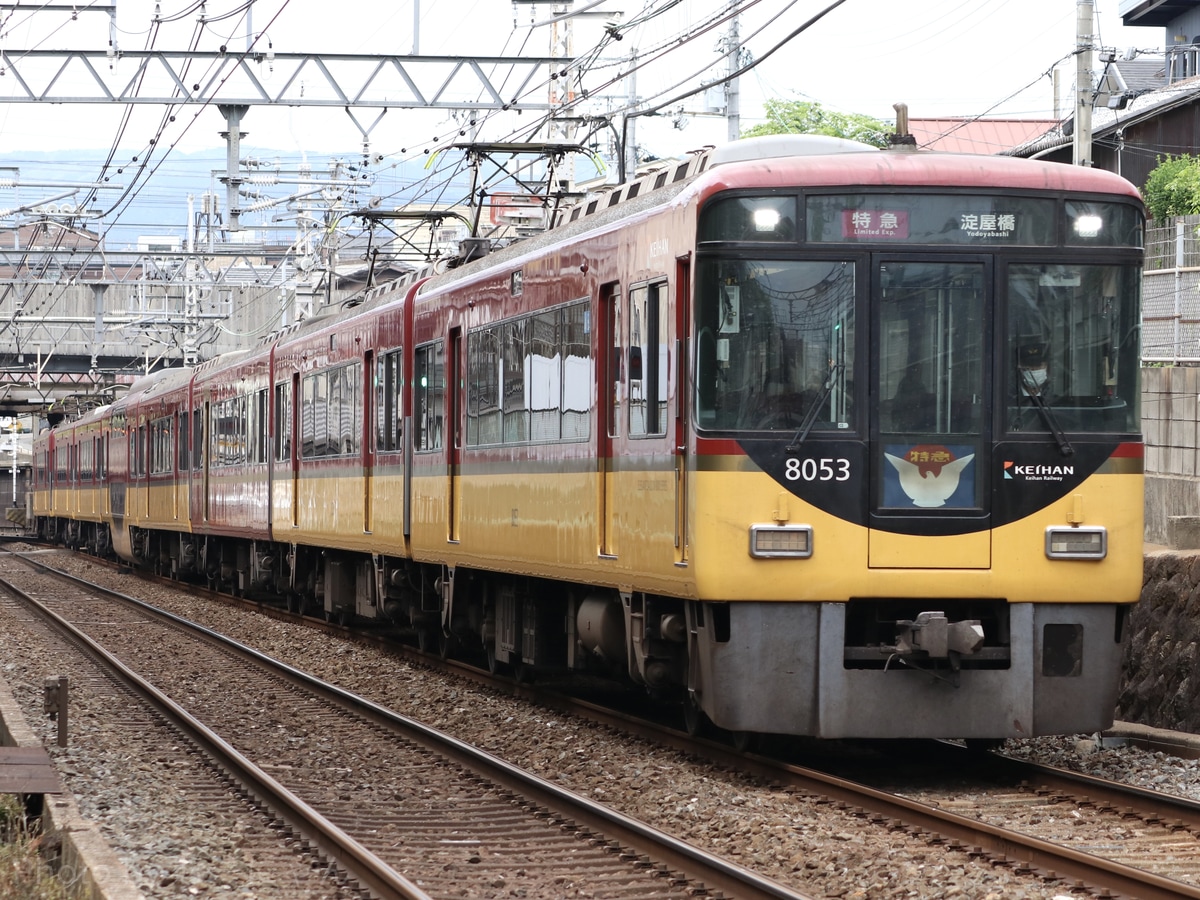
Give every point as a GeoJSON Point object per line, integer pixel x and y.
{"type": "Point", "coordinates": [228, 474]}
{"type": "Point", "coordinates": [70, 497]}
{"type": "Point", "coordinates": [857, 452]}
{"type": "Point", "coordinates": [147, 504]}
{"type": "Point", "coordinates": [157, 520]}
{"type": "Point", "coordinates": [324, 465]}
{"type": "Point", "coordinates": [43, 524]}
{"type": "Point", "coordinates": [812, 438]}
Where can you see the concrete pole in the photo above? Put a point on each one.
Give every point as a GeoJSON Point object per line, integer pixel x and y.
{"type": "Point", "coordinates": [1084, 46]}
{"type": "Point", "coordinates": [629, 151]}
{"type": "Point", "coordinates": [233, 165]}
{"type": "Point", "coordinates": [733, 111]}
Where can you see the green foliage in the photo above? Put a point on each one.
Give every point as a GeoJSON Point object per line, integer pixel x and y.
{"type": "Point", "coordinates": [24, 874]}
{"type": "Point", "coordinates": [1173, 187]}
{"type": "Point", "coordinates": [800, 117]}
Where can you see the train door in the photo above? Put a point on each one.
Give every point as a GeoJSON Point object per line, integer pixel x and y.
{"type": "Point", "coordinates": [206, 457]}
{"type": "Point", "coordinates": [683, 272]}
{"type": "Point", "coordinates": [368, 438]}
{"type": "Point", "coordinates": [140, 453]}
{"type": "Point", "coordinates": [294, 456]}
{"type": "Point", "coordinates": [178, 482]}
{"type": "Point", "coordinates": [454, 385]}
{"type": "Point", "coordinates": [930, 457]}
{"type": "Point", "coordinates": [608, 372]}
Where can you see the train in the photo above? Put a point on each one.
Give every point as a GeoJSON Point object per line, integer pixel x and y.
{"type": "Point", "coordinates": [798, 435]}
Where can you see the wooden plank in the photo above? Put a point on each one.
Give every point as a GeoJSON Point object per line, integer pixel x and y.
{"type": "Point", "coordinates": [27, 770]}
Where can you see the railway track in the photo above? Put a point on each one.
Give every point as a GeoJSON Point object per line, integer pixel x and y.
{"type": "Point", "coordinates": [1073, 835]}
{"type": "Point", "coordinates": [1095, 836]}
{"type": "Point", "coordinates": [392, 807]}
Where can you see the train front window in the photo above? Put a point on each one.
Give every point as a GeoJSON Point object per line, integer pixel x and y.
{"type": "Point", "coordinates": [1073, 348]}
{"type": "Point", "coordinates": [774, 338]}
{"type": "Point", "coordinates": [932, 331]}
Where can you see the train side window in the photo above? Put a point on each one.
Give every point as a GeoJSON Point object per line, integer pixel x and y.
{"type": "Point", "coordinates": [161, 445]}
{"type": "Point", "coordinates": [185, 444]}
{"type": "Point", "coordinates": [242, 424]}
{"type": "Point", "coordinates": [483, 387]}
{"type": "Point", "coordinates": [516, 408]}
{"type": "Point", "coordinates": [429, 390]}
{"type": "Point", "coordinates": [258, 426]}
{"type": "Point", "coordinates": [544, 362]}
{"type": "Point", "coordinates": [576, 351]}
{"type": "Point", "coordinates": [336, 407]}
{"type": "Point", "coordinates": [197, 438]}
{"type": "Point", "coordinates": [389, 428]}
{"type": "Point", "coordinates": [345, 430]}
{"type": "Point", "coordinates": [648, 334]}
{"type": "Point", "coordinates": [283, 421]}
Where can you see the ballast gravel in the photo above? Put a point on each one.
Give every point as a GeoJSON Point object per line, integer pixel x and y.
{"type": "Point", "coordinates": [812, 847]}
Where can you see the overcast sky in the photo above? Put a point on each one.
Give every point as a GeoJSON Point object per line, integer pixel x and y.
{"type": "Point", "coordinates": [941, 57]}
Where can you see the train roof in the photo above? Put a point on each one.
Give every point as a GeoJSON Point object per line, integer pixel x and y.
{"type": "Point", "coordinates": [156, 383]}
{"type": "Point", "coordinates": [920, 169]}
{"type": "Point", "coordinates": [772, 161]}
{"type": "Point", "coordinates": [800, 161]}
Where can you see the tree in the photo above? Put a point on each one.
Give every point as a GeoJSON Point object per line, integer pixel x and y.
{"type": "Point", "coordinates": [1173, 187]}
{"type": "Point", "coordinates": [801, 117]}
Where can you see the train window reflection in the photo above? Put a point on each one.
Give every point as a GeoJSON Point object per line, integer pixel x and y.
{"type": "Point", "coordinates": [429, 390]}
{"type": "Point", "coordinates": [768, 334]}
{"type": "Point", "coordinates": [1073, 342]}
{"type": "Point", "coordinates": [530, 379]}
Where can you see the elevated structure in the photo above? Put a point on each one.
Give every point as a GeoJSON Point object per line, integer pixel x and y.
{"type": "Point", "coordinates": [77, 321]}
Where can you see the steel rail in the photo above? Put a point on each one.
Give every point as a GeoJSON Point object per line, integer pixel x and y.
{"type": "Point", "coordinates": [714, 872]}
{"type": "Point", "coordinates": [359, 863]}
{"type": "Point", "coordinates": [1118, 878]}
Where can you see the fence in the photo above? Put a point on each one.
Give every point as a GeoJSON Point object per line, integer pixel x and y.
{"type": "Point", "coordinates": [1171, 293]}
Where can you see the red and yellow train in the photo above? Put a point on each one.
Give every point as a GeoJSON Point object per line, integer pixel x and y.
{"type": "Point", "coordinates": [815, 438]}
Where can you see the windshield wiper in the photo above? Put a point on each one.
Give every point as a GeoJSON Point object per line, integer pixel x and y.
{"type": "Point", "coordinates": [1034, 393]}
{"type": "Point", "coordinates": [810, 414]}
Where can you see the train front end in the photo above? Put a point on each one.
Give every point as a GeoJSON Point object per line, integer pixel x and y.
{"type": "Point", "coordinates": [916, 482]}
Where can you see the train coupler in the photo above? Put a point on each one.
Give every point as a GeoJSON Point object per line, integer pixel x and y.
{"type": "Point", "coordinates": [936, 637]}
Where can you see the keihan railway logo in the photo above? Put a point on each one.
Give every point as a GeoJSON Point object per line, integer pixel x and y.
{"type": "Point", "coordinates": [1016, 472]}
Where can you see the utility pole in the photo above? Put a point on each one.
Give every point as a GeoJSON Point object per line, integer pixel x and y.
{"type": "Point", "coordinates": [733, 49]}
{"type": "Point", "coordinates": [629, 149]}
{"type": "Point", "coordinates": [562, 36]}
{"type": "Point", "coordinates": [1084, 47]}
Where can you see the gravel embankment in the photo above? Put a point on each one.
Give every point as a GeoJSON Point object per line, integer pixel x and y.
{"type": "Point", "coordinates": [813, 847]}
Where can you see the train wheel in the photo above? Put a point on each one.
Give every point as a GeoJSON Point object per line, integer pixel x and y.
{"type": "Point", "coordinates": [494, 666]}
{"type": "Point", "coordinates": [426, 638]}
{"type": "Point", "coordinates": [447, 645]}
{"type": "Point", "coordinates": [695, 720]}
{"type": "Point", "coordinates": [744, 741]}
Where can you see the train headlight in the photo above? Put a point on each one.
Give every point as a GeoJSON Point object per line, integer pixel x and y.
{"type": "Point", "coordinates": [1076, 543]}
{"type": "Point", "coordinates": [766, 219]}
{"type": "Point", "coordinates": [773, 541]}
{"type": "Point", "coordinates": [1088, 226]}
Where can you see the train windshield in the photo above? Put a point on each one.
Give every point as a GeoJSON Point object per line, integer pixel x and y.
{"type": "Point", "coordinates": [774, 344]}
{"type": "Point", "coordinates": [1073, 348]}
